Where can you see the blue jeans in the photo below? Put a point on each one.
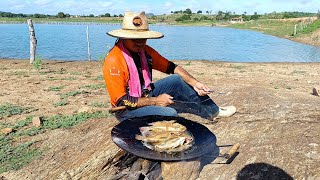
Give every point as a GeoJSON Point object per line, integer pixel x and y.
{"type": "Point", "coordinates": [186, 100]}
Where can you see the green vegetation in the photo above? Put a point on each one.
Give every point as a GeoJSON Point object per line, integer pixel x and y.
{"type": "Point", "coordinates": [37, 64]}
{"type": "Point", "coordinates": [312, 27]}
{"type": "Point", "coordinates": [95, 86]}
{"type": "Point", "coordinates": [7, 110]}
{"type": "Point", "coordinates": [55, 88]}
{"type": "Point", "coordinates": [63, 102]}
{"type": "Point", "coordinates": [268, 26]}
{"type": "Point", "coordinates": [15, 154]}
{"type": "Point", "coordinates": [100, 77]}
{"type": "Point", "coordinates": [64, 97]}
{"type": "Point", "coordinates": [72, 93]}
{"type": "Point", "coordinates": [13, 157]}
{"type": "Point", "coordinates": [99, 104]}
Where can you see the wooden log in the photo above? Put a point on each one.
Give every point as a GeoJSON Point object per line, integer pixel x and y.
{"type": "Point", "coordinates": [33, 41]}
{"type": "Point", "coordinates": [182, 170]}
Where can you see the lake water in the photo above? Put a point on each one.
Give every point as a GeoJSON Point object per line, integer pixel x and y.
{"type": "Point", "coordinates": [68, 42]}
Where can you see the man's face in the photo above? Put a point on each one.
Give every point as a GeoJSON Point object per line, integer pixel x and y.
{"type": "Point", "coordinates": [135, 45]}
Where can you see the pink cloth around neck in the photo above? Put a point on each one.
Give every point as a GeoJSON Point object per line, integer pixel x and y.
{"type": "Point", "coordinates": [134, 80]}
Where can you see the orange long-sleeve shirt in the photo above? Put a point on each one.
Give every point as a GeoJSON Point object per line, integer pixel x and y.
{"type": "Point", "coordinates": [116, 72]}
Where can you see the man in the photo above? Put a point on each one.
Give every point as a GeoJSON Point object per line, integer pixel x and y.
{"type": "Point", "coordinates": [127, 72]}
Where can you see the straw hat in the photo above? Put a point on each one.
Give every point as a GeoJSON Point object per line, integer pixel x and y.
{"type": "Point", "coordinates": [135, 26]}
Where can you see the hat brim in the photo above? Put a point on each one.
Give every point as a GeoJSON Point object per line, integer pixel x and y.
{"type": "Point", "coordinates": [131, 34]}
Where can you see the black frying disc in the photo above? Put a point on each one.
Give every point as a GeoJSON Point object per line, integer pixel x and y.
{"type": "Point", "coordinates": [124, 134]}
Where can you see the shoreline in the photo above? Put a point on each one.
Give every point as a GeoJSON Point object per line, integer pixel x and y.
{"type": "Point", "coordinates": [175, 60]}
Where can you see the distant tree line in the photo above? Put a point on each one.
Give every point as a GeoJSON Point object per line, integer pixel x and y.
{"type": "Point", "coordinates": [227, 16]}
{"type": "Point", "coordinates": [187, 15]}
{"type": "Point", "coordinates": [59, 15]}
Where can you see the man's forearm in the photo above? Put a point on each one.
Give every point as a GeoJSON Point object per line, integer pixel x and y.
{"type": "Point", "coordinates": [185, 76]}
{"type": "Point", "coordinates": [146, 101]}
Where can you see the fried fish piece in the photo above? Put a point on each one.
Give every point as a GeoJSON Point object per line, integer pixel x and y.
{"type": "Point", "coordinates": [164, 126]}
{"type": "Point", "coordinates": [170, 144]}
{"type": "Point", "coordinates": [165, 136]}
{"type": "Point", "coordinates": [154, 137]}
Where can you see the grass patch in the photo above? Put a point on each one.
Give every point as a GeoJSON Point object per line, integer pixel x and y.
{"type": "Point", "coordinates": [99, 104]}
{"type": "Point", "coordinates": [66, 79]}
{"type": "Point", "coordinates": [69, 78]}
{"type": "Point", "coordinates": [95, 86]}
{"type": "Point", "coordinates": [15, 155]}
{"type": "Point", "coordinates": [63, 102]}
{"type": "Point", "coordinates": [21, 73]}
{"type": "Point", "coordinates": [66, 121]}
{"type": "Point", "coordinates": [7, 110]}
{"type": "Point", "coordinates": [312, 27]}
{"type": "Point", "coordinates": [100, 77]}
{"type": "Point", "coordinates": [298, 72]}
{"type": "Point", "coordinates": [72, 93]}
{"type": "Point", "coordinates": [52, 78]}
{"type": "Point", "coordinates": [75, 73]}
{"type": "Point", "coordinates": [269, 26]}
{"type": "Point", "coordinates": [55, 88]}
{"type": "Point", "coordinates": [37, 64]}
{"type": "Point", "coordinates": [235, 66]}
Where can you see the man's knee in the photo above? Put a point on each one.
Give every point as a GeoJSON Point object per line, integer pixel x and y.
{"type": "Point", "coordinates": [177, 80]}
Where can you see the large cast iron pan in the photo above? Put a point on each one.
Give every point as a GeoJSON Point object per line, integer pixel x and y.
{"type": "Point", "coordinates": [124, 133]}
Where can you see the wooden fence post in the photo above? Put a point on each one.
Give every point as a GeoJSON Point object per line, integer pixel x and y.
{"type": "Point", "coordinates": [295, 30]}
{"type": "Point", "coordinates": [33, 41]}
{"type": "Point", "coordinates": [89, 56]}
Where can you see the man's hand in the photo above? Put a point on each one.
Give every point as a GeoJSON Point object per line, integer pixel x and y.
{"type": "Point", "coordinates": [163, 100]}
{"type": "Point", "coordinates": [201, 89]}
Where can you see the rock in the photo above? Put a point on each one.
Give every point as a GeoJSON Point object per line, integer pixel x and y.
{"type": "Point", "coordinates": [85, 109]}
{"type": "Point", "coordinates": [315, 92]}
{"type": "Point", "coordinates": [183, 170]}
{"type": "Point", "coordinates": [6, 131]}
{"type": "Point", "coordinates": [37, 121]}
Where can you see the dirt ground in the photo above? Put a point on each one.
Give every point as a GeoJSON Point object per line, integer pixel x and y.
{"type": "Point", "coordinates": [277, 121]}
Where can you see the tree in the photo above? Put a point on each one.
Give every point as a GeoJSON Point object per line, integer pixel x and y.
{"type": "Point", "coordinates": [61, 15]}
{"type": "Point", "coordinates": [184, 18]}
{"type": "Point", "coordinates": [120, 15]}
{"type": "Point", "coordinates": [318, 14]}
{"type": "Point", "coordinates": [36, 15]}
{"type": "Point", "coordinates": [199, 12]}
{"type": "Point", "coordinates": [91, 15]}
{"type": "Point", "coordinates": [188, 11]}
{"type": "Point", "coordinates": [107, 15]}
{"type": "Point", "coordinates": [255, 16]}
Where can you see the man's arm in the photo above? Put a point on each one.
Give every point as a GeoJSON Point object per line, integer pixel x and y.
{"type": "Point", "coordinates": [165, 99]}
{"type": "Point", "coordinates": [199, 87]}
{"type": "Point", "coordinates": [161, 100]}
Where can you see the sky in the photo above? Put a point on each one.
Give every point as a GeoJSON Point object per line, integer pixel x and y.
{"type": "Point", "coordinates": [157, 7]}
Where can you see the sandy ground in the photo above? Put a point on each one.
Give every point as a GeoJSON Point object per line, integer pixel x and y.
{"type": "Point", "coordinates": [277, 122]}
